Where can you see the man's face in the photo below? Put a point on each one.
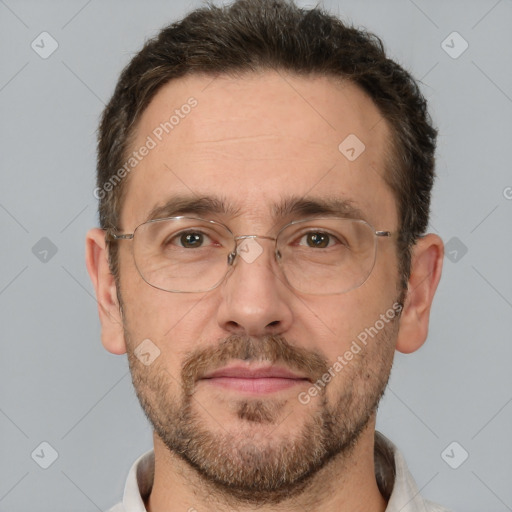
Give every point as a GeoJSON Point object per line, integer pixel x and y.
{"type": "Point", "coordinates": [254, 142]}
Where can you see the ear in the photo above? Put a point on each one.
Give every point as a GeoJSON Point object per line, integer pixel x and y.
{"type": "Point", "coordinates": [96, 256]}
{"type": "Point", "coordinates": [426, 266]}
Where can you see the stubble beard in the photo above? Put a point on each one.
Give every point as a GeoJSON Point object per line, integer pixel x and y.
{"type": "Point", "coordinates": [246, 466]}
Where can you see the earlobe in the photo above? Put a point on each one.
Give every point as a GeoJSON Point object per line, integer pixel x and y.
{"type": "Point", "coordinates": [112, 333]}
{"type": "Point", "coordinates": [426, 266]}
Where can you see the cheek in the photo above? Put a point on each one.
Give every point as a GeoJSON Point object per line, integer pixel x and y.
{"type": "Point", "coordinates": [339, 321]}
{"type": "Point", "coordinates": [170, 318]}
{"type": "Point", "coordinates": [143, 305]}
{"type": "Point", "coordinates": [175, 323]}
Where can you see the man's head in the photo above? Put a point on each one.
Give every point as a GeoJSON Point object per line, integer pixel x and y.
{"type": "Point", "coordinates": [264, 35]}
{"type": "Point", "coordinates": [257, 116]}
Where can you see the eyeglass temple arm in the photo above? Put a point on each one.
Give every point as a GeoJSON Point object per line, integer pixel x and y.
{"type": "Point", "coordinates": [111, 236]}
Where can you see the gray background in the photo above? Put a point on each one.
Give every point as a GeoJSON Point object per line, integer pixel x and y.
{"type": "Point", "coordinates": [60, 386]}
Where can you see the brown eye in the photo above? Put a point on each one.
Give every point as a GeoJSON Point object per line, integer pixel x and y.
{"type": "Point", "coordinates": [320, 240]}
{"type": "Point", "coordinates": [191, 240]}
{"type": "Point", "coordinates": [187, 240]}
{"type": "Point", "coordinates": [317, 240]}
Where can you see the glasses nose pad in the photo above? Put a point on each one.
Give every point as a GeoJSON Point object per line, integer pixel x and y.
{"type": "Point", "coordinates": [231, 257]}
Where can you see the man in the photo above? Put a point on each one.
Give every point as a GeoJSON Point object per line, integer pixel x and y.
{"type": "Point", "coordinates": [264, 176]}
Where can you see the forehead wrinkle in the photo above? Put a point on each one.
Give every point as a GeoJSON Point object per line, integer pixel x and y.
{"type": "Point", "coordinates": [240, 138]}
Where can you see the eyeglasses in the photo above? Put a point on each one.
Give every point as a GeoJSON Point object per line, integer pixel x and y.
{"type": "Point", "coordinates": [317, 256]}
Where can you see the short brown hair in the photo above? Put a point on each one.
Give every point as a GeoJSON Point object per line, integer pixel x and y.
{"type": "Point", "coordinates": [254, 35]}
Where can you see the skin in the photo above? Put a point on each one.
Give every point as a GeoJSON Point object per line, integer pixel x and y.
{"type": "Point", "coordinates": [252, 140]}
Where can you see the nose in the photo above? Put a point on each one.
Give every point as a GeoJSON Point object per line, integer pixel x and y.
{"type": "Point", "coordinates": [255, 297]}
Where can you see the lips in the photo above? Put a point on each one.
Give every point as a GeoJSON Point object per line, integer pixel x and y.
{"type": "Point", "coordinates": [254, 379]}
{"type": "Point", "coordinates": [243, 372]}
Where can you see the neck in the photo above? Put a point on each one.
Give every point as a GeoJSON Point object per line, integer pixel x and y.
{"type": "Point", "coordinates": [346, 483]}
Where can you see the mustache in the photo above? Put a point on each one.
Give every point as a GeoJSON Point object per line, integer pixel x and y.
{"type": "Point", "coordinates": [271, 348]}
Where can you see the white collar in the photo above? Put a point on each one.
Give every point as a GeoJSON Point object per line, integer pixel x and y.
{"type": "Point", "coordinates": [394, 479]}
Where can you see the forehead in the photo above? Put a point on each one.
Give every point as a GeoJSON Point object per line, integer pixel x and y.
{"type": "Point", "coordinates": [257, 140]}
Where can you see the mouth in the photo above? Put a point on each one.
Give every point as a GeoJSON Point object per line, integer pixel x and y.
{"type": "Point", "coordinates": [254, 380]}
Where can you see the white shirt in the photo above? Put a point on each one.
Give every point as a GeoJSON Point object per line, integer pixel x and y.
{"type": "Point", "coordinates": [395, 482]}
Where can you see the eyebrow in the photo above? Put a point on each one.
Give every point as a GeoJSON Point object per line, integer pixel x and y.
{"type": "Point", "coordinates": [291, 206]}
{"type": "Point", "coordinates": [191, 205]}
{"type": "Point", "coordinates": [301, 207]}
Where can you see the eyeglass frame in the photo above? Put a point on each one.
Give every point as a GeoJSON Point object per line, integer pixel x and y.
{"type": "Point", "coordinates": [111, 236]}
